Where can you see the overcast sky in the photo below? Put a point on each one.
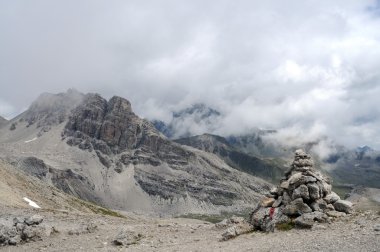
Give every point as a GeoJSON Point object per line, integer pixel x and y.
{"type": "Point", "coordinates": [309, 67]}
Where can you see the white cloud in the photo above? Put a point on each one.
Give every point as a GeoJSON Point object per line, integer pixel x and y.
{"type": "Point", "coordinates": [292, 65]}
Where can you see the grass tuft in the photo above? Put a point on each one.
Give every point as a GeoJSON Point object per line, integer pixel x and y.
{"type": "Point", "coordinates": [286, 226]}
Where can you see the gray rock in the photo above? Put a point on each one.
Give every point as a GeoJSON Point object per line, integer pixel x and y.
{"type": "Point", "coordinates": [286, 198]}
{"type": "Point", "coordinates": [229, 234]}
{"type": "Point", "coordinates": [331, 198]}
{"type": "Point", "coordinates": [302, 222]}
{"type": "Point", "coordinates": [298, 179]}
{"type": "Point", "coordinates": [33, 233]}
{"type": "Point", "coordinates": [343, 206]}
{"type": "Point", "coordinates": [307, 220]}
{"type": "Point", "coordinates": [297, 207]}
{"type": "Point", "coordinates": [313, 191]}
{"type": "Point", "coordinates": [335, 214]}
{"type": "Point", "coordinates": [17, 220]}
{"type": "Point", "coordinates": [303, 163]}
{"type": "Point", "coordinates": [237, 229]}
{"type": "Point", "coordinates": [319, 205]}
{"type": "Point", "coordinates": [330, 207]}
{"type": "Point", "coordinates": [294, 178]}
{"type": "Point", "coordinates": [376, 227]}
{"type": "Point", "coordinates": [278, 202]}
{"type": "Point", "coordinates": [284, 184]}
{"type": "Point", "coordinates": [267, 202]}
{"type": "Point", "coordinates": [301, 192]}
{"type": "Point", "coordinates": [127, 237]}
{"type": "Point", "coordinates": [34, 220]}
{"type": "Point", "coordinates": [14, 240]}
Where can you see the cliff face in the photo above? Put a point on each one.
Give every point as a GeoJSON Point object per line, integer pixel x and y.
{"type": "Point", "coordinates": [110, 126]}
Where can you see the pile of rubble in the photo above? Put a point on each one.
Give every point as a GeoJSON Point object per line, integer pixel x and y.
{"type": "Point", "coordinates": [21, 230]}
{"type": "Point", "coordinates": [303, 197]}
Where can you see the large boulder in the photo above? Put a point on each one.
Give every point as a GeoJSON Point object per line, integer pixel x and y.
{"type": "Point", "coordinates": [343, 206]}
{"type": "Point", "coordinates": [332, 198]}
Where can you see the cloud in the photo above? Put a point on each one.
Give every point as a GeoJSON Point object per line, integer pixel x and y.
{"type": "Point", "coordinates": [294, 65]}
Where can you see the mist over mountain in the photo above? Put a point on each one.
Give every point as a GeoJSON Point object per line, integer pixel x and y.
{"type": "Point", "coordinates": [194, 120]}
{"type": "Point", "coordinates": [254, 64]}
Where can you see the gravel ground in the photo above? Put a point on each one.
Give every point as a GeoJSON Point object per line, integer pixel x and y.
{"type": "Point", "coordinates": [352, 233]}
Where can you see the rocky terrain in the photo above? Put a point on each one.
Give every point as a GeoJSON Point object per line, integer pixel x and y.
{"type": "Point", "coordinates": [65, 223]}
{"type": "Point", "coordinates": [101, 151]}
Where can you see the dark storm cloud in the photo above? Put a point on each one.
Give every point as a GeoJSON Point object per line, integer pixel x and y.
{"type": "Point", "coordinates": [306, 67]}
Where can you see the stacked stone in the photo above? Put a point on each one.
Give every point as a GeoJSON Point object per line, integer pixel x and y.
{"type": "Point", "coordinates": [303, 197]}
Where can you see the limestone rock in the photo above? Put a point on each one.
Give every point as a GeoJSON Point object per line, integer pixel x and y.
{"type": "Point", "coordinates": [237, 226]}
{"type": "Point", "coordinates": [319, 205]}
{"type": "Point", "coordinates": [127, 237]}
{"type": "Point", "coordinates": [343, 206]}
{"type": "Point", "coordinates": [267, 202]}
{"type": "Point", "coordinates": [313, 191]}
{"type": "Point", "coordinates": [335, 214]}
{"type": "Point", "coordinates": [278, 202]}
{"type": "Point", "coordinates": [331, 198]}
{"type": "Point", "coordinates": [307, 220]}
{"type": "Point", "coordinates": [297, 207]}
{"type": "Point", "coordinates": [34, 220]}
{"type": "Point", "coordinates": [301, 192]}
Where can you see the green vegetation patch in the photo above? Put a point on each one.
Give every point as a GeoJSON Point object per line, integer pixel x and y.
{"type": "Point", "coordinates": [286, 226]}
{"type": "Point", "coordinates": [98, 209]}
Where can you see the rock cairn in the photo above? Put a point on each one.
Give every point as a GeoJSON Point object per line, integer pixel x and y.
{"type": "Point", "coordinates": [303, 197]}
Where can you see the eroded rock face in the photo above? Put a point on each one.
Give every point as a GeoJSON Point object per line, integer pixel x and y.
{"type": "Point", "coordinates": [162, 168]}
{"type": "Point", "coordinates": [304, 194]}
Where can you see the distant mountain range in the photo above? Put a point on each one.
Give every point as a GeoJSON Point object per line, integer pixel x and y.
{"type": "Point", "coordinates": [256, 152]}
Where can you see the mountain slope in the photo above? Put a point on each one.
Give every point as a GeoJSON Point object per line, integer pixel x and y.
{"type": "Point", "coordinates": [101, 151]}
{"type": "Point", "coordinates": [3, 121]}
{"type": "Point", "coordinates": [268, 169]}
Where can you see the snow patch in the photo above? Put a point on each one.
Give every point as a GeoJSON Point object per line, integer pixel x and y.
{"type": "Point", "coordinates": [31, 203]}
{"type": "Point", "coordinates": [31, 140]}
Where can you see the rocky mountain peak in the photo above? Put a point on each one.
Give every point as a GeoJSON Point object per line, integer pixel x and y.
{"type": "Point", "coordinates": [119, 105]}
{"type": "Point", "coordinates": [108, 126]}
{"type": "Point", "coordinates": [51, 109]}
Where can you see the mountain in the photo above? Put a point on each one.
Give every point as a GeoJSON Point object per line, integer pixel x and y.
{"type": "Point", "coordinates": [269, 169]}
{"type": "Point", "coordinates": [101, 151]}
{"type": "Point", "coordinates": [193, 120]}
{"type": "Point", "coordinates": [358, 167]}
